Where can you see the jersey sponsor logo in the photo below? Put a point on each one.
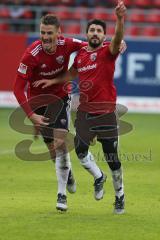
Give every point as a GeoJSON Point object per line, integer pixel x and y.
{"type": "Point", "coordinates": [60, 42]}
{"type": "Point", "coordinates": [89, 67]}
{"type": "Point", "coordinates": [63, 121]}
{"type": "Point", "coordinates": [76, 40]}
{"type": "Point", "coordinates": [22, 68]}
{"type": "Point", "coordinates": [93, 56]}
{"type": "Point", "coordinates": [60, 59]}
{"type": "Point", "coordinates": [53, 72]}
{"type": "Point", "coordinates": [43, 65]}
{"type": "Point", "coordinates": [115, 144]}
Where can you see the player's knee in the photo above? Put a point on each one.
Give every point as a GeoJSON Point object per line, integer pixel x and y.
{"type": "Point", "coordinates": [109, 146]}
{"type": "Point", "coordinates": [110, 152]}
{"type": "Point", "coordinates": [114, 165]}
{"type": "Point", "coordinates": [62, 160]}
{"type": "Point", "coordinates": [51, 148]}
{"type": "Point", "coordinates": [81, 148]}
{"type": "Point", "coordinates": [47, 134]}
{"type": "Point", "coordinates": [59, 144]}
{"type": "Point", "coordinates": [62, 165]}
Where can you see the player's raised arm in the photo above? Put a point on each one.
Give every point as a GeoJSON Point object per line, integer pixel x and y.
{"type": "Point", "coordinates": [123, 47]}
{"type": "Point", "coordinates": [68, 76]}
{"type": "Point", "coordinates": [119, 28]}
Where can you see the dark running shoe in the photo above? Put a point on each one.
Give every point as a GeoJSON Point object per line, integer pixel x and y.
{"type": "Point", "coordinates": [98, 187]}
{"type": "Point", "coordinates": [119, 205]}
{"type": "Point", "coordinates": [71, 183]}
{"type": "Point", "coordinates": [61, 202]}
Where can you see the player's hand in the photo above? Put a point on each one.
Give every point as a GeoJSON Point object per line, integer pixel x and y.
{"type": "Point", "coordinates": [39, 120]}
{"type": "Point", "coordinates": [123, 47]}
{"type": "Point", "coordinates": [120, 9]}
{"type": "Point", "coordinates": [44, 83]}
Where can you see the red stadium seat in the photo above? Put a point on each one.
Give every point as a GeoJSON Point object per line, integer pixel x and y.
{"type": "Point", "coordinates": [150, 31]}
{"type": "Point", "coordinates": [64, 14]}
{"type": "Point", "coordinates": [136, 16]}
{"type": "Point", "coordinates": [4, 13]}
{"type": "Point", "coordinates": [143, 3]}
{"type": "Point", "coordinates": [100, 14]}
{"type": "Point", "coordinates": [110, 30]}
{"type": "Point", "coordinates": [73, 28]}
{"type": "Point", "coordinates": [50, 2]}
{"type": "Point", "coordinates": [112, 17]}
{"type": "Point", "coordinates": [62, 2]}
{"type": "Point", "coordinates": [129, 3]}
{"type": "Point", "coordinates": [4, 27]}
{"type": "Point", "coordinates": [153, 17]}
{"type": "Point", "coordinates": [132, 31]}
{"type": "Point", "coordinates": [79, 13]}
{"type": "Point", "coordinates": [28, 14]}
{"type": "Point", "coordinates": [69, 2]}
{"type": "Point", "coordinates": [32, 2]}
{"type": "Point", "coordinates": [156, 3]}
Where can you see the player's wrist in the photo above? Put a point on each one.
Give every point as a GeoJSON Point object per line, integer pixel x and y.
{"type": "Point", "coordinates": [31, 115]}
{"type": "Point", "coordinates": [120, 18]}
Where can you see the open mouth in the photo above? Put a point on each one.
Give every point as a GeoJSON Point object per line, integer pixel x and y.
{"type": "Point", "coordinates": [46, 43]}
{"type": "Point", "coordinates": [94, 38]}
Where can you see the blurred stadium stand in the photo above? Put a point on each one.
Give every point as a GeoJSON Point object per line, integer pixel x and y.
{"type": "Point", "coordinates": [143, 16]}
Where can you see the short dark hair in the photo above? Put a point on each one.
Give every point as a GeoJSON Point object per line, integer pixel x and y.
{"type": "Point", "coordinates": [97, 22]}
{"type": "Point", "coordinates": [50, 19]}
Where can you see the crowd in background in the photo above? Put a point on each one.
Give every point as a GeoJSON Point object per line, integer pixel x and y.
{"type": "Point", "coordinates": [89, 3]}
{"type": "Point", "coordinates": [143, 18]}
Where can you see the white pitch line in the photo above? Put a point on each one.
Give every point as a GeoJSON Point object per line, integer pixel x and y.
{"type": "Point", "coordinates": [11, 151]}
{"type": "Point", "coordinates": [5, 152]}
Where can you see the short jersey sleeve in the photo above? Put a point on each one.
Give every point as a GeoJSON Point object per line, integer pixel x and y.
{"type": "Point", "coordinates": [74, 45]}
{"type": "Point", "coordinates": [108, 53]}
{"type": "Point", "coordinates": [26, 66]}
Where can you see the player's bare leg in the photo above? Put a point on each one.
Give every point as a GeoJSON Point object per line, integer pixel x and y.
{"type": "Point", "coordinates": [52, 151]}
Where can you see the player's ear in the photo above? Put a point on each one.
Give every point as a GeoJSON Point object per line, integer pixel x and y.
{"type": "Point", "coordinates": [59, 31]}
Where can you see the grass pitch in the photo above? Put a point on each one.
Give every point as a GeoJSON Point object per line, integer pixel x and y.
{"type": "Point", "coordinates": [28, 190]}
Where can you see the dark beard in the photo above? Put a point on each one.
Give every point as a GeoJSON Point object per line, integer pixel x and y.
{"type": "Point", "coordinates": [94, 45]}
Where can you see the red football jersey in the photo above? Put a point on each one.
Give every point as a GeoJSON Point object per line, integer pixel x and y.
{"type": "Point", "coordinates": [96, 86]}
{"type": "Point", "coordinates": [37, 64]}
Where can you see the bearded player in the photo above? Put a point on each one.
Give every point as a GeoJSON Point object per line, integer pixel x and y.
{"type": "Point", "coordinates": [96, 115]}
{"type": "Point", "coordinates": [47, 108]}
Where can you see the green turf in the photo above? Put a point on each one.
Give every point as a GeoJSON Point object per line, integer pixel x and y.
{"type": "Point", "coordinates": [28, 190]}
